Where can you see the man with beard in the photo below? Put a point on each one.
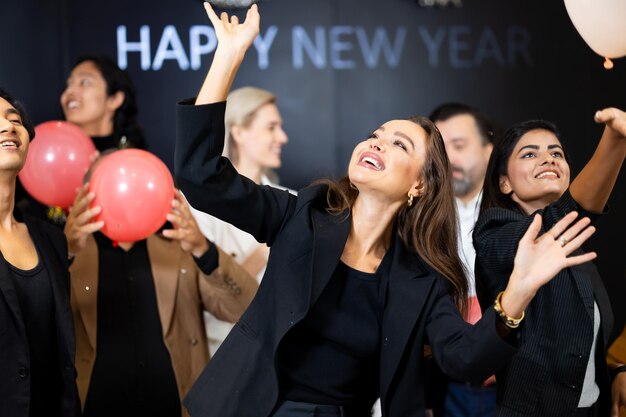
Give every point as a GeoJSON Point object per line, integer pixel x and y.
{"type": "Point", "coordinates": [467, 135]}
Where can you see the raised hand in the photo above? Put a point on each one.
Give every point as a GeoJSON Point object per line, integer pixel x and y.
{"type": "Point", "coordinates": [230, 32]}
{"type": "Point", "coordinates": [186, 230]}
{"type": "Point", "coordinates": [615, 121]}
{"type": "Point", "coordinates": [80, 224]}
{"type": "Point", "coordinates": [539, 259]}
{"type": "Point", "coordinates": [234, 39]}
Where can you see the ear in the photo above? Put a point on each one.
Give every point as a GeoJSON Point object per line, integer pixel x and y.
{"type": "Point", "coordinates": [236, 132]}
{"type": "Point", "coordinates": [487, 149]}
{"type": "Point", "coordinates": [115, 101]}
{"type": "Point", "coordinates": [505, 185]}
{"type": "Point", "coordinates": [419, 188]}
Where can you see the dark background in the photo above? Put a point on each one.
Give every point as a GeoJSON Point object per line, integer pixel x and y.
{"type": "Point", "coordinates": [330, 104]}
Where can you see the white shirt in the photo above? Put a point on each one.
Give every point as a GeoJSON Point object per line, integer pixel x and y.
{"type": "Point", "coordinates": [239, 245]}
{"type": "Point", "coordinates": [468, 214]}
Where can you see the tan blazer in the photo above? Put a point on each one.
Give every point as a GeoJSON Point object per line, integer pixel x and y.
{"type": "Point", "coordinates": [182, 293]}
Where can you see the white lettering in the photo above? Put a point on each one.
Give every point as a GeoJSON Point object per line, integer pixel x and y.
{"type": "Point", "coordinates": [263, 45]}
{"type": "Point", "coordinates": [170, 47]}
{"type": "Point", "coordinates": [197, 48]}
{"type": "Point", "coordinates": [301, 42]}
{"type": "Point", "coordinates": [124, 47]}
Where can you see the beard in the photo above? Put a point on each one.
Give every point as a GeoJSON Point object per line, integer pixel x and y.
{"type": "Point", "coordinates": [464, 185]}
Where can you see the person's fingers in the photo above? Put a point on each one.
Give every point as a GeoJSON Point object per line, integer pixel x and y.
{"type": "Point", "coordinates": [176, 234]}
{"type": "Point", "coordinates": [573, 231]}
{"type": "Point", "coordinates": [577, 242]}
{"type": "Point", "coordinates": [580, 259]}
{"type": "Point", "coordinates": [562, 225]}
{"type": "Point", "coordinates": [92, 227]}
{"type": "Point", "coordinates": [82, 201]}
{"type": "Point", "coordinates": [84, 217]}
{"type": "Point", "coordinates": [533, 229]}
{"type": "Point", "coordinates": [234, 20]}
{"type": "Point", "coordinates": [211, 13]}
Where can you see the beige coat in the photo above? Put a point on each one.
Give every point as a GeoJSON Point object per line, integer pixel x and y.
{"type": "Point", "coordinates": [182, 293]}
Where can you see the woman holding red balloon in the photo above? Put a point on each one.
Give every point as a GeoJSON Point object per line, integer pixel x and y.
{"type": "Point", "coordinates": [138, 304]}
{"type": "Point", "coordinates": [99, 102]}
{"type": "Point", "coordinates": [37, 376]}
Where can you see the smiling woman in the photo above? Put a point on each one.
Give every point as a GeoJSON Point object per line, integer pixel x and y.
{"type": "Point", "coordinates": [529, 173]}
{"type": "Point", "coordinates": [362, 272]}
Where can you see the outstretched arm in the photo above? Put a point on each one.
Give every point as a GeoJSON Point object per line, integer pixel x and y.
{"type": "Point", "coordinates": [234, 39]}
{"type": "Point", "coordinates": [593, 186]}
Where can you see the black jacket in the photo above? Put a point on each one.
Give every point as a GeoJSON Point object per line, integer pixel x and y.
{"type": "Point", "coordinates": [306, 245]}
{"type": "Point", "coordinates": [14, 351]}
{"type": "Point", "coordinates": [545, 377]}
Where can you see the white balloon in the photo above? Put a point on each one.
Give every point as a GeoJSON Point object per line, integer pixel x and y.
{"type": "Point", "coordinates": [601, 23]}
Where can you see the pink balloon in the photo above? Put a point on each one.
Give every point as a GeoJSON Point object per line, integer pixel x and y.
{"type": "Point", "coordinates": [57, 161]}
{"type": "Point", "coordinates": [135, 190]}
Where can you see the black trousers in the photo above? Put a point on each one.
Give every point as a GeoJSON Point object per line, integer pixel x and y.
{"type": "Point", "coordinates": [299, 409]}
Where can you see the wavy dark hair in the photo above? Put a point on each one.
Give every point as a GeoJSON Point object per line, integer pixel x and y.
{"type": "Point", "coordinates": [429, 227]}
{"type": "Point", "coordinates": [126, 129]}
{"type": "Point", "coordinates": [499, 161]}
{"type": "Point", "coordinates": [26, 121]}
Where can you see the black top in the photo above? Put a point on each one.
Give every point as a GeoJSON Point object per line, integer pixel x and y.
{"type": "Point", "coordinates": [103, 143]}
{"type": "Point", "coordinates": [36, 303]}
{"type": "Point", "coordinates": [332, 356]}
{"type": "Point", "coordinates": [132, 374]}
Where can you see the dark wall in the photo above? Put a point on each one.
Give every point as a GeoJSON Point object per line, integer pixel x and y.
{"type": "Point", "coordinates": [515, 60]}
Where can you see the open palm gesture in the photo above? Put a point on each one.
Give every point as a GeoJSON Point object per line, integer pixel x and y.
{"type": "Point", "coordinates": [230, 32]}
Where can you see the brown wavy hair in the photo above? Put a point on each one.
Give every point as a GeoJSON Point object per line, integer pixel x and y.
{"type": "Point", "coordinates": [429, 227]}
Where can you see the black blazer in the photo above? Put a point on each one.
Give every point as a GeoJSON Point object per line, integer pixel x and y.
{"type": "Point", "coordinates": [14, 356]}
{"type": "Point", "coordinates": [306, 245]}
{"type": "Point", "coordinates": [545, 377]}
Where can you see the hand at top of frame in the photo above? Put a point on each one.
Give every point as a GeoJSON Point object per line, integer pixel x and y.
{"type": "Point", "coordinates": [230, 32]}
{"type": "Point", "coordinates": [615, 121]}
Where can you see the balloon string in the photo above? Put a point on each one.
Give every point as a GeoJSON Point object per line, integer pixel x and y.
{"type": "Point", "coordinates": [608, 64]}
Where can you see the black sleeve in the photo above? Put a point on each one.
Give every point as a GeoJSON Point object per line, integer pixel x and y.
{"type": "Point", "coordinates": [211, 183]}
{"type": "Point", "coordinates": [463, 351]}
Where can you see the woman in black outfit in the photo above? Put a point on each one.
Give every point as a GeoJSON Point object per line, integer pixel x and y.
{"type": "Point", "coordinates": [361, 274]}
{"type": "Point", "coordinates": [37, 376]}
{"type": "Point", "coordinates": [560, 369]}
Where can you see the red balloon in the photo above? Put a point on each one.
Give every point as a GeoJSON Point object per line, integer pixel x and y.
{"type": "Point", "coordinates": [135, 191]}
{"type": "Point", "coordinates": [57, 161]}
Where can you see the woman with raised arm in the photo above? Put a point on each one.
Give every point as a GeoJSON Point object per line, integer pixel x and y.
{"type": "Point", "coordinates": [560, 369]}
{"type": "Point", "coordinates": [361, 274]}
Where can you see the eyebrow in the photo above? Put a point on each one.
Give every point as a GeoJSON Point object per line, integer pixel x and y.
{"type": "Point", "coordinates": [12, 110]}
{"type": "Point", "coordinates": [536, 147]}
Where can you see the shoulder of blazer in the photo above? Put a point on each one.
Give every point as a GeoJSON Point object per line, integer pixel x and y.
{"type": "Point", "coordinates": [39, 229]}
{"type": "Point", "coordinates": [313, 194]}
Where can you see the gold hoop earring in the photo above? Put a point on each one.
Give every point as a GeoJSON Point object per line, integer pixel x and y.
{"type": "Point", "coordinates": [410, 201]}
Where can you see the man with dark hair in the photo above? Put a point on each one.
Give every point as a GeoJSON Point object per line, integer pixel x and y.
{"type": "Point", "coordinates": [467, 136]}
{"type": "Point", "coordinates": [37, 375]}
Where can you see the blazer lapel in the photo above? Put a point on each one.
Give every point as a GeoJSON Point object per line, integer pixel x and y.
{"type": "Point", "coordinates": [409, 286]}
{"type": "Point", "coordinates": [330, 233]}
{"type": "Point", "coordinates": [59, 281]}
{"type": "Point", "coordinates": [165, 263]}
{"type": "Point", "coordinates": [84, 272]}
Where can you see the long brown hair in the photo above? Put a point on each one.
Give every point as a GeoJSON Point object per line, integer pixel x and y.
{"type": "Point", "coordinates": [429, 227]}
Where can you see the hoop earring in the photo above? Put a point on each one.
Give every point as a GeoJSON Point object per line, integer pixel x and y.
{"type": "Point", "coordinates": [410, 200]}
